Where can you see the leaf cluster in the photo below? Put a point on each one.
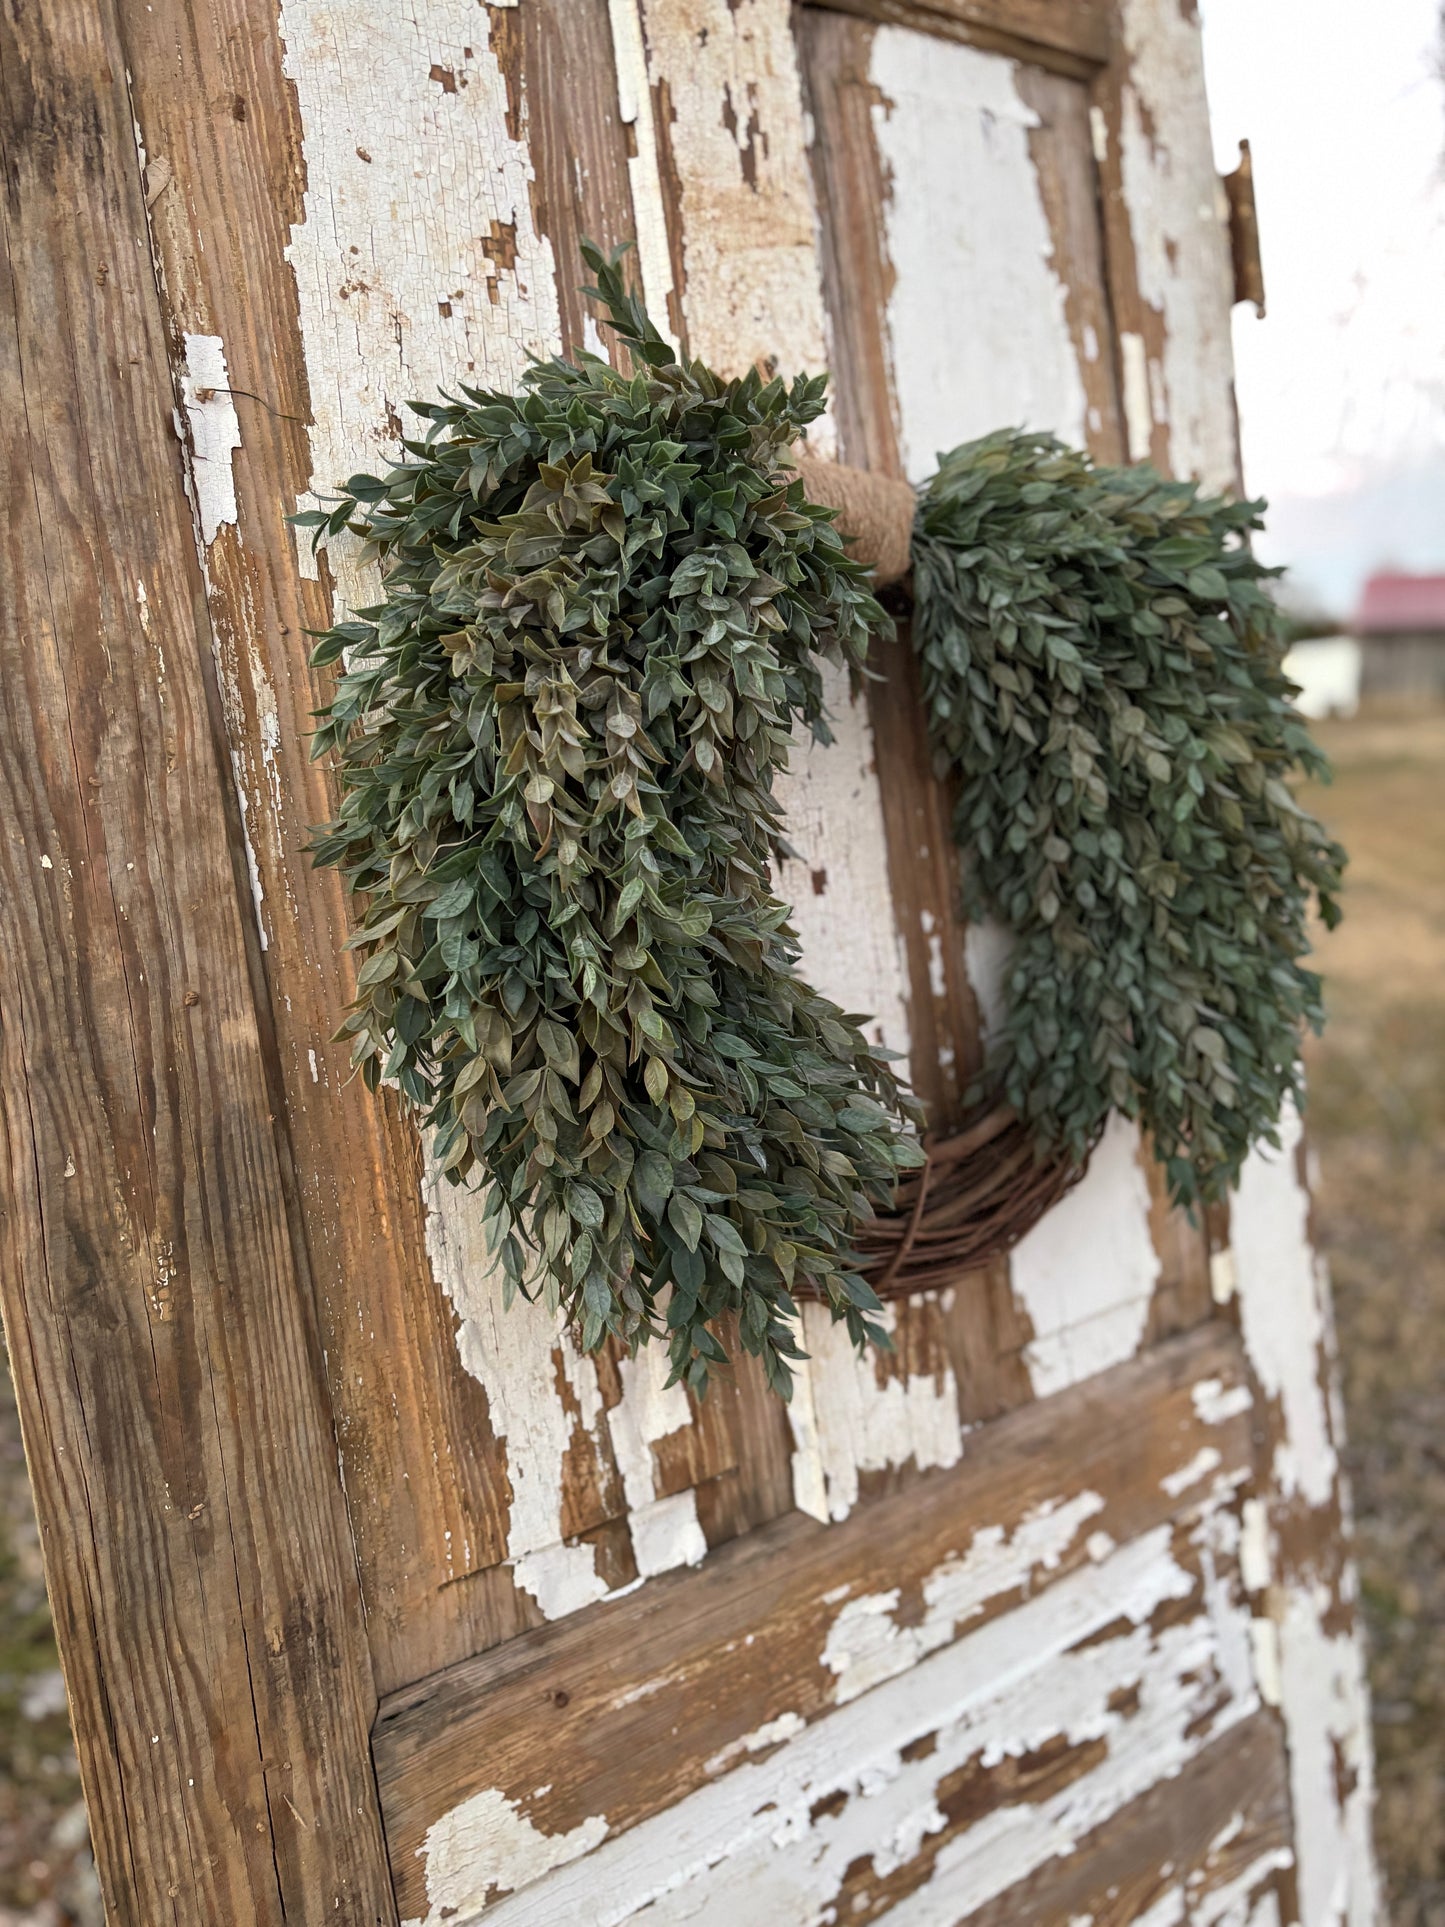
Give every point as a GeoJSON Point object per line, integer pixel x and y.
{"type": "Point", "coordinates": [1101, 659]}
{"type": "Point", "coordinates": [607, 603]}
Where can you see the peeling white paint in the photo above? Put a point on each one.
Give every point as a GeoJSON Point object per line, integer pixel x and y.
{"type": "Point", "coordinates": [787, 1726]}
{"type": "Point", "coordinates": [515, 1354]}
{"type": "Point", "coordinates": [666, 1533]}
{"type": "Point", "coordinates": [1230, 1902]}
{"type": "Point", "coordinates": [867, 1644]}
{"type": "Point", "coordinates": [987, 950]}
{"type": "Point", "coordinates": [1222, 1283]}
{"type": "Point", "coordinates": [752, 288]}
{"type": "Point", "coordinates": [847, 1423]}
{"type": "Point", "coordinates": [650, 1409]}
{"type": "Point", "coordinates": [487, 1846]}
{"type": "Point", "coordinates": [214, 432]}
{"type": "Point", "coordinates": [746, 1847]}
{"type": "Point", "coordinates": [1138, 403]}
{"type": "Point", "coordinates": [1264, 1646]}
{"type": "Point", "coordinates": [1256, 1562]}
{"type": "Point", "coordinates": [838, 886]}
{"type": "Point", "coordinates": [1281, 1311]}
{"type": "Point", "coordinates": [417, 201]}
{"type": "Point", "coordinates": [1087, 1271]}
{"type": "Point", "coordinates": [1315, 1675]}
{"type": "Point", "coordinates": [1206, 1460]}
{"type": "Point", "coordinates": [409, 279]}
{"type": "Point", "coordinates": [1322, 1689]}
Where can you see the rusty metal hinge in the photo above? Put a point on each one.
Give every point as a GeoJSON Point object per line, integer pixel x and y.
{"type": "Point", "coordinates": [1244, 231]}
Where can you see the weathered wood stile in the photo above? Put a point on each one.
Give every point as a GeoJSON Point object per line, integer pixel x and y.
{"type": "Point", "coordinates": [377, 1603]}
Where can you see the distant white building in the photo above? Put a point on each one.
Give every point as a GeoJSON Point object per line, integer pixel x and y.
{"type": "Point", "coordinates": [1327, 669]}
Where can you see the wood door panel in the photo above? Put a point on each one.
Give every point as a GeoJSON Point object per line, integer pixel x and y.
{"type": "Point", "coordinates": [638, 1705]}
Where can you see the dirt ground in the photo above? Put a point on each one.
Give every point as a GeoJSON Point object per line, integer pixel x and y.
{"type": "Point", "coordinates": [1377, 1119]}
{"type": "Point", "coordinates": [46, 1876]}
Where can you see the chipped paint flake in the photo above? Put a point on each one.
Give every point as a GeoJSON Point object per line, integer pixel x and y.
{"type": "Point", "coordinates": [1217, 1403]}
{"type": "Point", "coordinates": [213, 433]}
{"type": "Point", "coordinates": [787, 1726]}
{"type": "Point", "coordinates": [666, 1533]}
{"type": "Point", "coordinates": [1206, 1460]}
{"type": "Point", "coordinates": [1138, 403]}
{"type": "Point", "coordinates": [1222, 1282]}
{"type": "Point", "coordinates": [486, 1846]}
{"type": "Point", "coordinates": [1256, 1562]}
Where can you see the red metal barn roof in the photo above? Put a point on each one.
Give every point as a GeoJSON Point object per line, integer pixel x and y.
{"type": "Point", "coordinates": [1394, 602]}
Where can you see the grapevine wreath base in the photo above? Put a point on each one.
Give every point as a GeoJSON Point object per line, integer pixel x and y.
{"type": "Point", "coordinates": [608, 602]}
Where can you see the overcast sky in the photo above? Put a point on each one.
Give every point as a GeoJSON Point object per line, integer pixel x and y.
{"type": "Point", "coordinates": [1342, 386]}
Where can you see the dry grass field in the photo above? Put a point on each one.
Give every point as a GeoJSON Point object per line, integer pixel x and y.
{"type": "Point", "coordinates": [1377, 1120]}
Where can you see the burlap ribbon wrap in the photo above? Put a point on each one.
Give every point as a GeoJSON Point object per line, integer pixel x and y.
{"type": "Point", "coordinates": [875, 512]}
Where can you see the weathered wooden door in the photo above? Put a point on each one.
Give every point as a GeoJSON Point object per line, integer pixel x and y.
{"type": "Point", "coordinates": [1045, 1617]}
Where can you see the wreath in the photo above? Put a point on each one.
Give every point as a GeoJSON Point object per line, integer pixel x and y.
{"type": "Point", "coordinates": [608, 600]}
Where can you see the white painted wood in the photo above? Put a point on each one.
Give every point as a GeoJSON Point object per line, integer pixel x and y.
{"type": "Point", "coordinates": [1087, 1271]}
{"type": "Point", "coordinates": [1309, 1667]}
{"type": "Point", "coordinates": [753, 293]}
{"type": "Point", "coordinates": [754, 1844]}
{"type": "Point", "coordinates": [976, 317]}
{"type": "Point", "coordinates": [644, 173]}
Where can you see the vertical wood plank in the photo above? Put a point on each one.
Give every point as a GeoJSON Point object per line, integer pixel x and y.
{"type": "Point", "coordinates": [154, 1283]}
{"type": "Point", "coordinates": [472, 1451]}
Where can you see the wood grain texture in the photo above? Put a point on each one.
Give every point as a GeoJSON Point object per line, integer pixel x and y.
{"type": "Point", "coordinates": [155, 1289]}
{"type": "Point", "coordinates": [1071, 37]}
{"type": "Point", "coordinates": [634, 1703]}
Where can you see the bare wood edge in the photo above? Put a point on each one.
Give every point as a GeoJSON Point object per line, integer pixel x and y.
{"type": "Point", "coordinates": [627, 1672]}
{"type": "Point", "coordinates": [158, 1311]}
{"type": "Point", "coordinates": [1076, 40]}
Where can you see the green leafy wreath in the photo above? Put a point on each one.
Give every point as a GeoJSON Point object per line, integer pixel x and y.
{"type": "Point", "coordinates": [1102, 665]}
{"type": "Point", "coordinates": [607, 602]}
